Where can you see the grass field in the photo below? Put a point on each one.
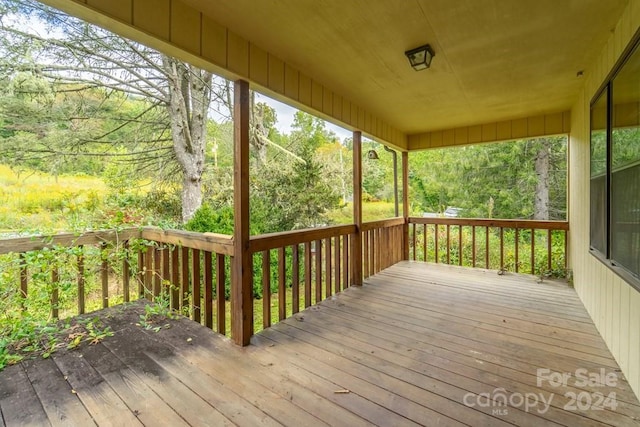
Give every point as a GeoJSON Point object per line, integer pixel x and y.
{"type": "Point", "coordinates": [42, 202]}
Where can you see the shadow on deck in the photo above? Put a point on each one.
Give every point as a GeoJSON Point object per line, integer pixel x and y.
{"type": "Point", "coordinates": [419, 344]}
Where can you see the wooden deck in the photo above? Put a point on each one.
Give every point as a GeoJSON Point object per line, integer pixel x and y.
{"type": "Point", "coordinates": [419, 344]}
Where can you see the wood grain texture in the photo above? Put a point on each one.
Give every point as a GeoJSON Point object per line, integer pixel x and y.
{"type": "Point", "coordinates": [241, 279]}
{"type": "Point", "coordinates": [403, 349]}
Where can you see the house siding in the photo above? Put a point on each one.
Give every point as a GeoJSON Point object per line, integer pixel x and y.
{"type": "Point", "coordinates": [612, 303]}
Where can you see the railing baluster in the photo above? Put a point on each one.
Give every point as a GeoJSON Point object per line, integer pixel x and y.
{"type": "Point", "coordinates": [126, 272]}
{"type": "Point", "coordinates": [157, 268]}
{"type": "Point", "coordinates": [424, 243]}
{"type": "Point", "coordinates": [141, 273]}
{"type": "Point", "coordinates": [396, 243]}
{"type": "Point", "coordinates": [104, 275]}
{"type": "Point", "coordinates": [24, 280]}
{"type": "Point", "coordinates": [266, 289]}
{"type": "Point", "coordinates": [295, 286]}
{"type": "Point", "coordinates": [377, 245]}
{"type": "Point", "coordinates": [282, 290]}
{"type": "Point", "coordinates": [318, 255]}
{"type": "Point", "coordinates": [517, 249]}
{"type": "Point", "coordinates": [148, 272]}
{"type": "Point", "coordinates": [307, 274]}
{"type": "Point", "coordinates": [345, 261]}
{"type": "Point", "coordinates": [80, 262]}
{"type": "Point", "coordinates": [533, 251]}
{"type": "Point", "coordinates": [365, 253]}
{"type": "Point", "coordinates": [328, 276]}
{"type": "Point", "coordinates": [486, 247]}
{"type": "Point", "coordinates": [166, 278]}
{"type": "Point", "coordinates": [336, 262]}
{"type": "Point", "coordinates": [549, 246]}
{"type": "Point", "coordinates": [55, 278]}
{"type": "Point", "coordinates": [473, 246]}
{"type": "Point", "coordinates": [501, 248]}
{"type": "Point", "coordinates": [448, 244]}
{"type": "Point", "coordinates": [460, 247]}
{"type": "Point", "coordinates": [208, 290]}
{"type": "Point", "coordinates": [221, 277]}
{"type": "Point", "coordinates": [184, 278]}
{"type": "Point", "coordinates": [415, 243]}
{"type": "Point", "coordinates": [195, 283]}
{"type": "Point", "coordinates": [175, 279]}
{"type": "Point", "coordinates": [435, 228]}
{"type": "Point", "coordinates": [566, 249]}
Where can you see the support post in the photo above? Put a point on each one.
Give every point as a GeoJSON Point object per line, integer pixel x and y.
{"type": "Point", "coordinates": [241, 279]}
{"type": "Point", "coordinates": [395, 179]}
{"type": "Point", "coordinates": [356, 247]}
{"type": "Point", "coordinates": [405, 205]}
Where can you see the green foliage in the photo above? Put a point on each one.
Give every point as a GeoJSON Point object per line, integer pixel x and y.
{"type": "Point", "coordinates": [464, 255]}
{"type": "Point", "coordinates": [206, 219]}
{"type": "Point", "coordinates": [27, 325]}
{"type": "Point", "coordinates": [491, 180]}
{"type": "Point", "coordinates": [157, 313]}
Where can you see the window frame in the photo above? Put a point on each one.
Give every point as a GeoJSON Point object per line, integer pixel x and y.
{"type": "Point", "coordinates": [607, 88]}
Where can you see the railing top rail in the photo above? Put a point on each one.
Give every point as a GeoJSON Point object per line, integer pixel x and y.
{"type": "Point", "coordinates": [287, 238]}
{"type": "Point", "coordinates": [504, 223]}
{"type": "Point", "coordinates": [34, 243]}
{"type": "Point", "coordinates": [211, 242]}
{"type": "Point", "coordinates": [384, 223]}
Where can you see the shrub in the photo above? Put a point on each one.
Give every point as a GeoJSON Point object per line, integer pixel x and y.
{"type": "Point", "coordinates": [206, 219]}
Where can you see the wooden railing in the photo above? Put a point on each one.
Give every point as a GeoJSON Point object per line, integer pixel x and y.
{"type": "Point", "coordinates": [78, 264]}
{"type": "Point", "coordinates": [382, 243]}
{"type": "Point", "coordinates": [98, 269]}
{"type": "Point", "coordinates": [191, 271]}
{"type": "Point", "coordinates": [536, 247]}
{"type": "Point", "coordinates": [296, 269]}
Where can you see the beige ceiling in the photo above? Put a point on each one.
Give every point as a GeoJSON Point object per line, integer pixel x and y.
{"type": "Point", "coordinates": [495, 59]}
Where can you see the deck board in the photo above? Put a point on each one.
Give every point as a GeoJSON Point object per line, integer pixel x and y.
{"type": "Point", "coordinates": [59, 403]}
{"type": "Point", "coordinates": [405, 349]}
{"type": "Point", "coordinates": [18, 399]}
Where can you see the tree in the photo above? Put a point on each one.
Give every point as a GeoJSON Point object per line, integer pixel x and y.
{"type": "Point", "coordinates": [292, 189]}
{"type": "Point", "coordinates": [519, 179]}
{"type": "Point", "coordinates": [72, 52]}
{"type": "Point", "coordinates": [542, 165]}
{"type": "Point", "coordinates": [189, 99]}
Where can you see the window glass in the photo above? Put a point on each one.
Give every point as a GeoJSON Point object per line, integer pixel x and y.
{"type": "Point", "coordinates": [625, 166]}
{"type": "Point", "coordinates": [598, 187]}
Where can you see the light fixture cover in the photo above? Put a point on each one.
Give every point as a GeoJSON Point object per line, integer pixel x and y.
{"type": "Point", "coordinates": [420, 57]}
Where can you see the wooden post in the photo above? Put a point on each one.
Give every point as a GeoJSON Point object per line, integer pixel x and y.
{"type": "Point", "coordinates": [241, 279]}
{"type": "Point", "coordinates": [356, 247]}
{"type": "Point", "coordinates": [104, 275]}
{"type": "Point", "coordinates": [405, 205]}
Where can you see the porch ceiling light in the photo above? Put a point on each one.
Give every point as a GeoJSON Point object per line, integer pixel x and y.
{"type": "Point", "coordinates": [420, 57]}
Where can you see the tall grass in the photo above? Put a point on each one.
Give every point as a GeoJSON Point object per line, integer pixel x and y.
{"type": "Point", "coordinates": [38, 201]}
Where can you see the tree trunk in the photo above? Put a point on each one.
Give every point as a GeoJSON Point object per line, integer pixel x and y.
{"type": "Point", "coordinates": [541, 207]}
{"type": "Point", "coordinates": [258, 134]}
{"type": "Point", "coordinates": [189, 99]}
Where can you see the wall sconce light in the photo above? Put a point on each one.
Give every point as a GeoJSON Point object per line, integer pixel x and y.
{"type": "Point", "coordinates": [372, 155]}
{"type": "Point", "coordinates": [420, 57]}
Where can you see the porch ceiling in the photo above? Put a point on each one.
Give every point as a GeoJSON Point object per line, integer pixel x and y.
{"type": "Point", "coordinates": [495, 59]}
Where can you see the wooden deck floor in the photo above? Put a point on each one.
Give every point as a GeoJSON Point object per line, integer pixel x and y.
{"type": "Point", "coordinates": [419, 344]}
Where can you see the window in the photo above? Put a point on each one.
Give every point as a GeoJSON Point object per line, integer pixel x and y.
{"type": "Point", "coordinates": [599, 173]}
{"type": "Point", "coordinates": [615, 171]}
